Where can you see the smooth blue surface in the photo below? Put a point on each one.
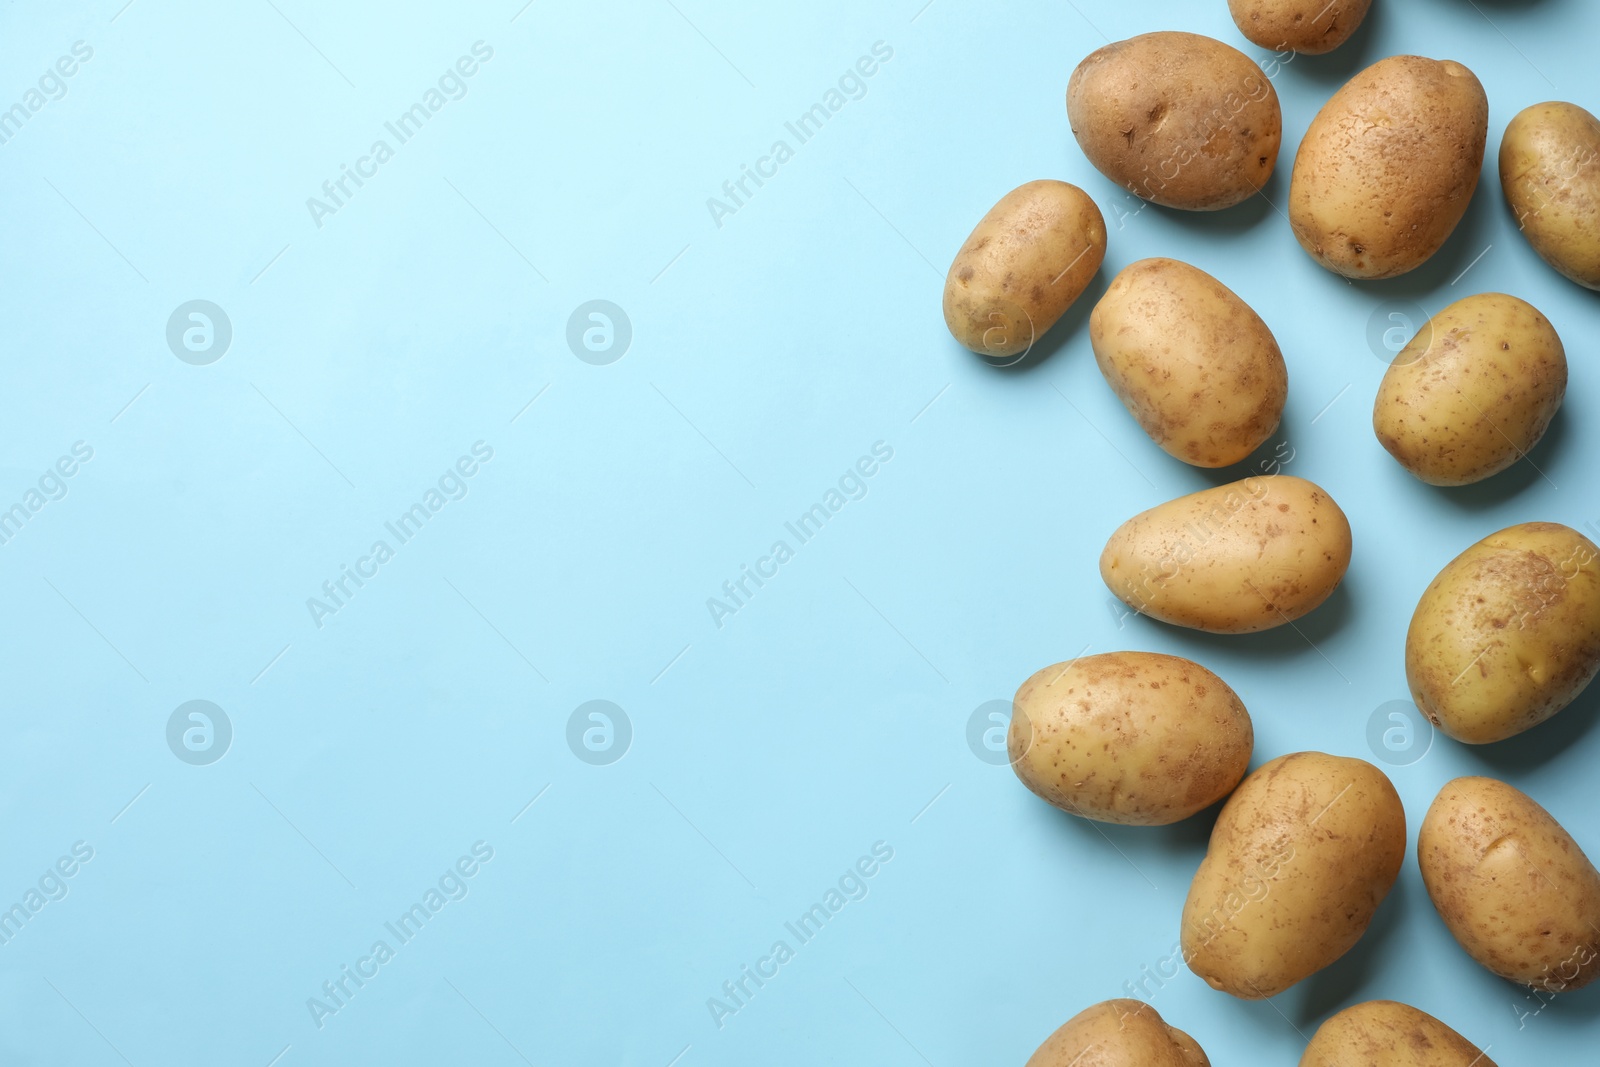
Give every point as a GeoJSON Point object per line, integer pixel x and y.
{"type": "Point", "coordinates": [768, 354]}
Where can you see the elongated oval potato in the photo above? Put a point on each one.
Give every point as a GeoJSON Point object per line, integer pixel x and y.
{"type": "Point", "coordinates": [1511, 884]}
{"type": "Point", "coordinates": [1176, 118]}
{"type": "Point", "coordinates": [1247, 556]}
{"type": "Point", "coordinates": [1508, 633]}
{"type": "Point", "coordinates": [1550, 174]}
{"type": "Point", "coordinates": [1473, 392]}
{"type": "Point", "coordinates": [1195, 366]}
{"type": "Point", "coordinates": [1388, 166]}
{"type": "Point", "coordinates": [1118, 1033]}
{"type": "Point", "coordinates": [1129, 737]}
{"type": "Point", "coordinates": [1311, 27]}
{"type": "Point", "coordinates": [1300, 858]}
{"type": "Point", "coordinates": [1025, 263]}
{"type": "Point", "coordinates": [1386, 1033]}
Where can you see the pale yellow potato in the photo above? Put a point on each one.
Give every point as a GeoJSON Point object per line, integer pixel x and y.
{"type": "Point", "coordinates": [1300, 858]}
{"type": "Point", "coordinates": [1385, 1033]}
{"type": "Point", "coordinates": [1118, 1033]}
{"type": "Point", "coordinates": [1129, 737]}
{"type": "Point", "coordinates": [1550, 174]}
{"type": "Point", "coordinates": [1195, 366]}
{"type": "Point", "coordinates": [1512, 885]}
{"type": "Point", "coordinates": [1473, 392]}
{"type": "Point", "coordinates": [1238, 558]}
{"type": "Point", "coordinates": [1176, 118]}
{"type": "Point", "coordinates": [1025, 263]}
{"type": "Point", "coordinates": [1508, 633]}
{"type": "Point", "coordinates": [1388, 166]}
{"type": "Point", "coordinates": [1312, 27]}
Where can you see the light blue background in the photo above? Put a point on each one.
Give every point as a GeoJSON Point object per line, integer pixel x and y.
{"type": "Point", "coordinates": [768, 354]}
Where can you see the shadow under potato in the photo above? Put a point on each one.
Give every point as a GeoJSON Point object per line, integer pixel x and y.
{"type": "Point", "coordinates": [1303, 638]}
{"type": "Point", "coordinates": [1532, 749]}
{"type": "Point", "coordinates": [1333, 69]}
{"type": "Point", "coordinates": [1432, 285]}
{"type": "Point", "coordinates": [1499, 488]}
{"type": "Point", "coordinates": [1339, 984]}
{"type": "Point", "coordinates": [1073, 321]}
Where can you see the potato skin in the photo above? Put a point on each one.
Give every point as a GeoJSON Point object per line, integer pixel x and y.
{"type": "Point", "coordinates": [1194, 364]}
{"type": "Point", "coordinates": [1311, 27]}
{"type": "Point", "coordinates": [1179, 119]}
{"type": "Point", "coordinates": [1508, 633]}
{"type": "Point", "coordinates": [1300, 858]}
{"type": "Point", "coordinates": [1473, 392]}
{"type": "Point", "coordinates": [1235, 559]}
{"type": "Point", "coordinates": [1385, 1033]}
{"type": "Point", "coordinates": [1118, 1033]}
{"type": "Point", "coordinates": [1024, 264]}
{"type": "Point", "coordinates": [1550, 174]}
{"type": "Point", "coordinates": [1136, 738]}
{"type": "Point", "coordinates": [1388, 166]}
{"type": "Point", "coordinates": [1511, 884]}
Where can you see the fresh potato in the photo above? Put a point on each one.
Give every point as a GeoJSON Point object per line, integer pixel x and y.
{"type": "Point", "coordinates": [1508, 633]}
{"type": "Point", "coordinates": [1512, 885]}
{"type": "Point", "coordinates": [1027, 260]}
{"type": "Point", "coordinates": [1550, 174]}
{"type": "Point", "coordinates": [1388, 166]}
{"type": "Point", "coordinates": [1309, 26]}
{"type": "Point", "coordinates": [1300, 858]}
{"type": "Point", "coordinates": [1118, 1033]}
{"type": "Point", "coordinates": [1177, 118]}
{"type": "Point", "coordinates": [1384, 1033]}
{"type": "Point", "coordinates": [1129, 737]}
{"type": "Point", "coordinates": [1473, 392]}
{"type": "Point", "coordinates": [1234, 559]}
{"type": "Point", "coordinates": [1194, 364]}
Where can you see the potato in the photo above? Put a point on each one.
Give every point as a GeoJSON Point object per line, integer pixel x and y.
{"type": "Point", "coordinates": [1508, 633]}
{"type": "Point", "coordinates": [1309, 26]}
{"type": "Point", "coordinates": [1176, 118]}
{"type": "Point", "coordinates": [1300, 858]}
{"type": "Point", "coordinates": [1025, 263]}
{"type": "Point", "coordinates": [1388, 166]}
{"type": "Point", "coordinates": [1550, 174]}
{"type": "Point", "coordinates": [1383, 1033]}
{"type": "Point", "coordinates": [1195, 366]}
{"type": "Point", "coordinates": [1235, 559]}
{"type": "Point", "coordinates": [1129, 737]}
{"type": "Point", "coordinates": [1473, 392]}
{"type": "Point", "coordinates": [1512, 885]}
{"type": "Point", "coordinates": [1118, 1033]}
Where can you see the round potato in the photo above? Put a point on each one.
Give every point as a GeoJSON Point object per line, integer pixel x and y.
{"type": "Point", "coordinates": [1508, 633]}
{"type": "Point", "coordinates": [1300, 858]}
{"type": "Point", "coordinates": [1195, 366]}
{"type": "Point", "coordinates": [1176, 118]}
{"type": "Point", "coordinates": [1388, 166]}
{"type": "Point", "coordinates": [1025, 263]}
{"type": "Point", "coordinates": [1118, 1033]}
{"type": "Point", "coordinates": [1384, 1033]}
{"type": "Point", "coordinates": [1512, 885]}
{"type": "Point", "coordinates": [1550, 174]}
{"type": "Point", "coordinates": [1308, 26]}
{"type": "Point", "coordinates": [1129, 737]}
{"type": "Point", "coordinates": [1235, 559]}
{"type": "Point", "coordinates": [1473, 392]}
